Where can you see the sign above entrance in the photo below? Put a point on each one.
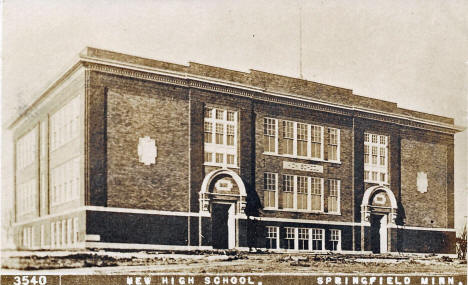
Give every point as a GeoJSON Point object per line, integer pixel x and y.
{"type": "Point", "coordinates": [302, 166]}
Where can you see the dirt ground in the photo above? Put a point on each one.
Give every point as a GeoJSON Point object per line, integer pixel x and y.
{"type": "Point", "coordinates": [221, 262]}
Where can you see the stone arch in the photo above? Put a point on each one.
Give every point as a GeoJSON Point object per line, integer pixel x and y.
{"type": "Point", "coordinates": [371, 190]}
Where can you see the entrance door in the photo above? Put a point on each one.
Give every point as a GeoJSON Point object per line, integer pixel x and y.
{"type": "Point", "coordinates": [379, 233]}
{"type": "Point", "coordinates": [222, 228]}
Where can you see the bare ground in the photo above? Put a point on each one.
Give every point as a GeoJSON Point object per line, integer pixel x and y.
{"type": "Point", "coordinates": [107, 262]}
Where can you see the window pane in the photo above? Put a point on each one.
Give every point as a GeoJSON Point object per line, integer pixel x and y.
{"type": "Point", "coordinates": [230, 116]}
{"type": "Point", "coordinates": [219, 114]}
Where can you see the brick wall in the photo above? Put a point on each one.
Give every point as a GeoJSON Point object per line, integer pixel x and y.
{"type": "Point", "coordinates": [424, 209]}
{"type": "Point", "coordinates": [135, 109]}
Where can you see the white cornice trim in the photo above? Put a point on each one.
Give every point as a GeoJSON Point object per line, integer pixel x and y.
{"type": "Point", "coordinates": [184, 75]}
{"type": "Point", "coordinates": [305, 221]}
{"type": "Point", "coordinates": [144, 211]}
{"type": "Point", "coordinates": [422, 228]}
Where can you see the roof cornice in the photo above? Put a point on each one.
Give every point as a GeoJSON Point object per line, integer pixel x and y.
{"type": "Point", "coordinates": [186, 79]}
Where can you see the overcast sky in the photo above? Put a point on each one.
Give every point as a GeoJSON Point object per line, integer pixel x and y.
{"type": "Point", "coordinates": [414, 53]}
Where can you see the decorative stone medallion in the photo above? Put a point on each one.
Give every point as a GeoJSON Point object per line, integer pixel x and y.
{"type": "Point", "coordinates": [147, 150]}
{"type": "Point", "coordinates": [380, 199]}
{"type": "Point", "coordinates": [422, 182]}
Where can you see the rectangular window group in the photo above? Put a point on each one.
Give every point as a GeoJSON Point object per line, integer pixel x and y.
{"type": "Point", "coordinates": [300, 140]}
{"type": "Point", "coordinates": [26, 197]}
{"type": "Point", "coordinates": [65, 124]}
{"type": "Point", "coordinates": [64, 233]}
{"type": "Point", "coordinates": [220, 137]}
{"type": "Point", "coordinates": [375, 158]}
{"type": "Point", "coordinates": [302, 239]}
{"type": "Point", "coordinates": [26, 149]}
{"type": "Point", "coordinates": [65, 181]}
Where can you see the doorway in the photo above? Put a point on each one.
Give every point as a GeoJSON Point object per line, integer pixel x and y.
{"type": "Point", "coordinates": [223, 225]}
{"type": "Point", "coordinates": [379, 233]}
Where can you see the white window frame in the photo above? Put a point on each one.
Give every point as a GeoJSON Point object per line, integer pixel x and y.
{"type": "Point", "coordinates": [275, 230]}
{"type": "Point", "coordinates": [288, 231]}
{"type": "Point", "coordinates": [223, 148]}
{"type": "Point", "coordinates": [370, 167]}
{"type": "Point", "coordinates": [309, 128]}
{"type": "Point", "coordinates": [338, 196]}
{"type": "Point", "coordinates": [265, 123]}
{"type": "Point", "coordinates": [308, 239]}
{"type": "Point", "coordinates": [333, 234]}
{"type": "Point", "coordinates": [309, 194]}
{"type": "Point", "coordinates": [275, 175]}
{"type": "Point", "coordinates": [26, 149]}
{"type": "Point", "coordinates": [26, 197]}
{"type": "Point", "coordinates": [65, 182]}
{"type": "Point", "coordinates": [65, 123]}
{"type": "Point", "coordinates": [338, 144]}
{"type": "Point", "coordinates": [312, 239]}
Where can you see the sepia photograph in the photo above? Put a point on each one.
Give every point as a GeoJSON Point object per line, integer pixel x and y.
{"type": "Point", "coordinates": [234, 142]}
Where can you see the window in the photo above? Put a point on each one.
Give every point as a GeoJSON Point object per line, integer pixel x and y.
{"type": "Point", "coordinates": [290, 238]}
{"type": "Point", "coordinates": [333, 144]}
{"type": "Point", "coordinates": [335, 239]}
{"type": "Point", "coordinates": [288, 192]}
{"type": "Point", "coordinates": [65, 124]}
{"type": "Point", "coordinates": [317, 239]}
{"type": "Point", "coordinates": [302, 139]}
{"type": "Point", "coordinates": [288, 137]}
{"type": "Point", "coordinates": [65, 181]}
{"type": "Point", "coordinates": [375, 158]}
{"type": "Point", "coordinates": [26, 148]}
{"type": "Point", "coordinates": [303, 238]}
{"type": "Point", "coordinates": [270, 135]}
{"type": "Point", "coordinates": [316, 147]}
{"type": "Point", "coordinates": [220, 137]}
{"type": "Point", "coordinates": [26, 197]}
{"type": "Point", "coordinates": [334, 198]}
{"type": "Point", "coordinates": [302, 193]}
{"type": "Point", "coordinates": [317, 194]}
{"type": "Point", "coordinates": [270, 185]}
{"type": "Point", "coordinates": [272, 237]}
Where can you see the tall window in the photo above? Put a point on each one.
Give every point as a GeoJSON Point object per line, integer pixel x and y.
{"type": "Point", "coordinates": [270, 183]}
{"type": "Point", "coordinates": [303, 238]}
{"type": "Point", "coordinates": [335, 238]}
{"type": "Point", "coordinates": [64, 124]}
{"type": "Point", "coordinates": [65, 181]}
{"type": "Point", "coordinates": [375, 158]}
{"type": "Point", "coordinates": [333, 144]}
{"type": "Point", "coordinates": [317, 239]}
{"type": "Point", "coordinates": [26, 197]}
{"type": "Point", "coordinates": [317, 194]}
{"type": "Point", "coordinates": [288, 137]}
{"type": "Point", "coordinates": [302, 139]}
{"type": "Point", "coordinates": [272, 237]}
{"type": "Point", "coordinates": [302, 193]}
{"type": "Point", "coordinates": [288, 192]}
{"type": "Point", "coordinates": [26, 148]}
{"type": "Point", "coordinates": [290, 238]}
{"type": "Point", "coordinates": [316, 147]}
{"type": "Point", "coordinates": [220, 132]}
{"type": "Point", "coordinates": [270, 135]}
{"type": "Point", "coordinates": [334, 198]}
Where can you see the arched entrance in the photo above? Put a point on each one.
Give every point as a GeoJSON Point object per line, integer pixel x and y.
{"type": "Point", "coordinates": [223, 196]}
{"type": "Point", "coordinates": [379, 210]}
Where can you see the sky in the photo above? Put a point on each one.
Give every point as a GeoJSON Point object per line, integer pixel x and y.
{"type": "Point", "coordinates": [414, 53]}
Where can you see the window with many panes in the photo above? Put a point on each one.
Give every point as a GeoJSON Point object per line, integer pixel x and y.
{"type": "Point", "coordinates": [272, 234]}
{"type": "Point", "coordinates": [65, 124]}
{"type": "Point", "coordinates": [26, 197]}
{"type": "Point", "coordinates": [334, 196]}
{"type": "Point", "coordinates": [333, 144]}
{"type": "Point", "coordinates": [26, 148]}
{"type": "Point", "coordinates": [65, 181]}
{"type": "Point", "coordinates": [302, 193]}
{"type": "Point", "coordinates": [270, 187]}
{"type": "Point", "coordinates": [288, 192]}
{"type": "Point", "coordinates": [270, 135]}
{"type": "Point", "coordinates": [290, 238]}
{"type": "Point", "coordinates": [317, 239]}
{"type": "Point", "coordinates": [288, 137]}
{"type": "Point", "coordinates": [303, 239]}
{"type": "Point", "coordinates": [335, 239]}
{"type": "Point", "coordinates": [301, 140]}
{"type": "Point", "coordinates": [375, 158]}
{"type": "Point", "coordinates": [220, 137]}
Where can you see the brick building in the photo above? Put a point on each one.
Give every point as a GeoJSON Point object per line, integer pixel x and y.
{"type": "Point", "coordinates": [127, 152]}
